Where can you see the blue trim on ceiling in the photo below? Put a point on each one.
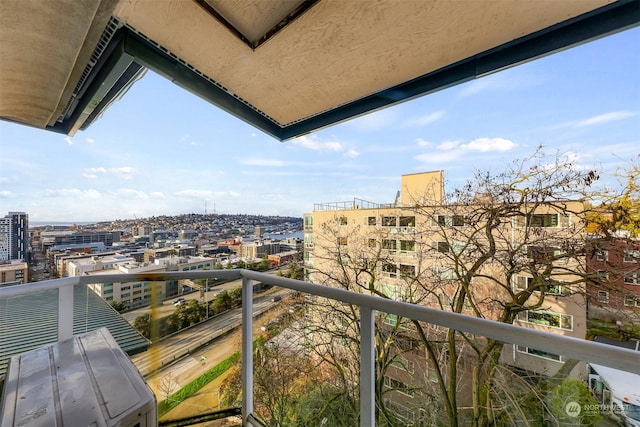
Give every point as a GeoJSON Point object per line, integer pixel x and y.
{"type": "Point", "coordinates": [607, 20]}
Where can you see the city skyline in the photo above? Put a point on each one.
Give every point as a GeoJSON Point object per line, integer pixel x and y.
{"type": "Point", "coordinates": [162, 151]}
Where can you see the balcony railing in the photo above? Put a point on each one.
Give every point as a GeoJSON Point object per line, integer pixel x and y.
{"type": "Point", "coordinates": [567, 347]}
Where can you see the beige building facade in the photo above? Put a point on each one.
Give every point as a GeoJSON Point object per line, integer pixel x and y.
{"type": "Point", "coordinates": [425, 250]}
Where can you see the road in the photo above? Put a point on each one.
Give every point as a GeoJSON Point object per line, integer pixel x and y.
{"type": "Point", "coordinates": [167, 307]}
{"type": "Point", "coordinates": [174, 347]}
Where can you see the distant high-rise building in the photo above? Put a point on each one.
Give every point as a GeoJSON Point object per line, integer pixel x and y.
{"type": "Point", "coordinates": [5, 239]}
{"type": "Point", "coordinates": [14, 236]}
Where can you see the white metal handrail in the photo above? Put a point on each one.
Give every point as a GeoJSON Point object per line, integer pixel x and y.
{"type": "Point", "coordinates": [615, 357]}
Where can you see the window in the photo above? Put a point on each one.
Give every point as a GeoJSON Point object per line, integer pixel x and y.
{"type": "Point", "coordinates": [125, 288]}
{"type": "Point", "coordinates": [404, 364]}
{"type": "Point", "coordinates": [555, 288]}
{"type": "Point", "coordinates": [407, 270]}
{"type": "Point", "coordinates": [389, 221]}
{"type": "Point", "coordinates": [542, 220]}
{"type": "Point", "coordinates": [523, 282]}
{"type": "Point", "coordinates": [444, 273]}
{"type": "Point", "coordinates": [308, 222]}
{"type": "Point", "coordinates": [602, 255]}
{"type": "Point", "coordinates": [631, 256]}
{"type": "Point", "coordinates": [371, 220]}
{"type": "Point", "coordinates": [407, 221]}
{"type": "Point", "coordinates": [126, 295]}
{"type": "Point", "coordinates": [539, 353]}
{"type": "Point", "coordinates": [107, 291]}
{"type": "Point", "coordinates": [550, 319]}
{"type": "Point", "coordinates": [450, 220]}
{"type": "Point", "coordinates": [389, 244]}
{"type": "Point", "coordinates": [342, 241]}
{"type": "Point", "coordinates": [371, 243]}
{"type": "Point", "coordinates": [408, 247]}
{"type": "Point", "coordinates": [443, 247]}
{"type": "Point", "coordinates": [391, 319]}
{"type": "Point", "coordinates": [344, 220]}
{"type": "Point", "coordinates": [389, 270]}
{"type": "Point", "coordinates": [398, 385]}
{"type": "Point", "coordinates": [308, 241]}
{"type": "Point", "coordinates": [632, 278]}
{"type": "Point", "coordinates": [400, 410]}
{"type": "Point", "coordinates": [542, 253]}
{"type": "Point", "coordinates": [603, 296]}
{"type": "Point", "coordinates": [631, 300]}
{"type": "Point", "coordinates": [137, 285]}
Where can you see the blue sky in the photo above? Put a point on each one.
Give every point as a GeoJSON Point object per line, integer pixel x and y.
{"type": "Point", "coordinates": [162, 151]}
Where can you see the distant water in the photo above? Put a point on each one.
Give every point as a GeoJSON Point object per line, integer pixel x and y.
{"type": "Point", "coordinates": [296, 235]}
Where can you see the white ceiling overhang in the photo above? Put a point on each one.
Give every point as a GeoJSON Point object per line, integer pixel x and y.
{"type": "Point", "coordinates": [287, 67]}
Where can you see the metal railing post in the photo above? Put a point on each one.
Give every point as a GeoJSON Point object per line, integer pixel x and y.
{"type": "Point", "coordinates": [65, 313]}
{"type": "Point", "coordinates": [367, 368]}
{"type": "Point", "coordinates": [247, 350]}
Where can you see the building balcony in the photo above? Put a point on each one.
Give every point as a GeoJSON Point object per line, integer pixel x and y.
{"type": "Point", "coordinates": [373, 314]}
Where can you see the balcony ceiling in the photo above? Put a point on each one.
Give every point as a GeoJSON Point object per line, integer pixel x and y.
{"type": "Point", "coordinates": [286, 66]}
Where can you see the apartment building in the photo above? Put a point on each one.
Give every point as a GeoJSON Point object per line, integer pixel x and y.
{"type": "Point", "coordinates": [613, 264]}
{"type": "Point", "coordinates": [258, 248]}
{"type": "Point", "coordinates": [14, 236]}
{"type": "Point", "coordinates": [13, 272]}
{"type": "Point", "coordinates": [139, 293]}
{"type": "Point", "coordinates": [423, 250]}
{"type": "Point", "coordinates": [69, 237]}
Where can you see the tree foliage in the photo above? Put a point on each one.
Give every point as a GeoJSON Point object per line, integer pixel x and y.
{"type": "Point", "coordinates": [498, 247]}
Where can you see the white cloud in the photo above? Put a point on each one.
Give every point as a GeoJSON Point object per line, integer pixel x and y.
{"type": "Point", "coordinates": [129, 194]}
{"type": "Point", "coordinates": [72, 193]}
{"type": "Point", "coordinates": [489, 144]}
{"type": "Point", "coordinates": [90, 140]}
{"type": "Point", "coordinates": [195, 194]}
{"type": "Point", "coordinates": [351, 153]}
{"type": "Point", "coordinates": [125, 172]}
{"type": "Point", "coordinates": [69, 140]}
{"type": "Point", "coordinates": [448, 145]}
{"type": "Point", "coordinates": [157, 195]}
{"type": "Point", "coordinates": [313, 143]}
{"type": "Point", "coordinates": [262, 162]}
{"type": "Point", "coordinates": [454, 150]}
{"type": "Point", "coordinates": [92, 173]}
{"type": "Point", "coordinates": [438, 157]}
{"type": "Point", "coordinates": [422, 143]}
{"type": "Point", "coordinates": [425, 120]}
{"type": "Point", "coordinates": [606, 118]}
{"type": "Point", "coordinates": [95, 170]}
{"type": "Point", "coordinates": [6, 194]}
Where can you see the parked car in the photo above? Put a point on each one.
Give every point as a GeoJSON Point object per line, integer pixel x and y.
{"type": "Point", "coordinates": [276, 298]}
{"type": "Point", "coordinates": [179, 301]}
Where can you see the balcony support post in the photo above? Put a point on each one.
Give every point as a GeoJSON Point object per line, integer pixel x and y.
{"type": "Point", "coordinates": [65, 313]}
{"type": "Point", "coordinates": [367, 368]}
{"type": "Point", "coordinates": [247, 350]}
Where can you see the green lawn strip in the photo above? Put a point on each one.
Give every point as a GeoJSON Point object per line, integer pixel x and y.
{"type": "Point", "coordinates": [192, 388]}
